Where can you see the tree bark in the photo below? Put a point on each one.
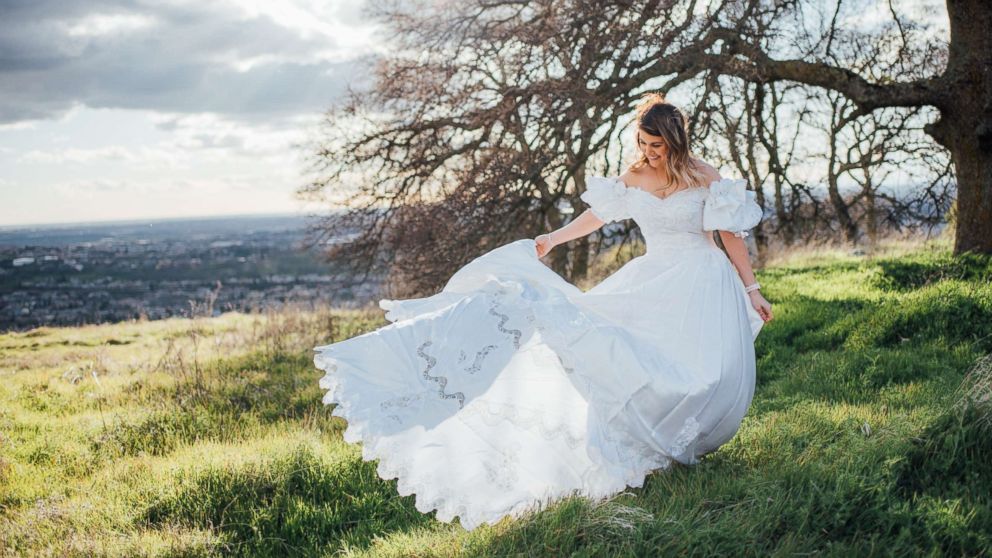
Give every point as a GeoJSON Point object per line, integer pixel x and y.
{"type": "Point", "coordinates": [965, 125]}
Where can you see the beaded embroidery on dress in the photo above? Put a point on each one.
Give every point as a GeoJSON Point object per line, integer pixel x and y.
{"type": "Point", "coordinates": [512, 388]}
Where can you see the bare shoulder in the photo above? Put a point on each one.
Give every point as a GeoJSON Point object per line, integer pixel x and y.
{"type": "Point", "coordinates": [710, 174]}
{"type": "Point", "coordinates": [630, 177]}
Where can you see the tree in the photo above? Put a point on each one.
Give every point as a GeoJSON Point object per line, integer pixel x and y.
{"type": "Point", "coordinates": [961, 91]}
{"type": "Point", "coordinates": [868, 149]}
{"type": "Point", "coordinates": [485, 117]}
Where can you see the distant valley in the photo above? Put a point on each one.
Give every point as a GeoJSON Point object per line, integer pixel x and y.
{"type": "Point", "coordinates": [107, 272]}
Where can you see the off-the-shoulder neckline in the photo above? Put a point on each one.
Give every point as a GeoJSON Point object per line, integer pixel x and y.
{"type": "Point", "coordinates": [645, 192]}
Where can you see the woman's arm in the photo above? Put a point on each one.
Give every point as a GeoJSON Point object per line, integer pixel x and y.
{"type": "Point", "coordinates": [588, 221]}
{"type": "Point", "coordinates": [737, 252]}
{"type": "Point", "coordinates": [582, 225]}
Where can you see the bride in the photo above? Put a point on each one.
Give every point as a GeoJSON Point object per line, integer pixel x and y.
{"type": "Point", "coordinates": [512, 388]}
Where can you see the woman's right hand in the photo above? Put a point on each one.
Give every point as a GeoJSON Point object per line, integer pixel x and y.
{"type": "Point", "coordinates": [543, 244]}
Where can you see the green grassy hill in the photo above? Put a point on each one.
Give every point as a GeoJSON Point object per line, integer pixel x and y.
{"type": "Point", "coordinates": [869, 435]}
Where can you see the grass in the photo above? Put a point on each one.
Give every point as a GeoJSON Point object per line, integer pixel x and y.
{"type": "Point", "coordinates": [869, 435]}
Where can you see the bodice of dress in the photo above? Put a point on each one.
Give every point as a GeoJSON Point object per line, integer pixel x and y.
{"type": "Point", "coordinates": [681, 220]}
{"type": "Point", "coordinates": [676, 220]}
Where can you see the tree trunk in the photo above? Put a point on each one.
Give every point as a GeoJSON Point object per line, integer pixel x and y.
{"type": "Point", "coordinates": [580, 250]}
{"type": "Point", "coordinates": [871, 219]}
{"type": "Point", "coordinates": [965, 124]}
{"type": "Point", "coordinates": [973, 167]}
{"type": "Point", "coordinates": [558, 257]}
{"type": "Point", "coordinates": [580, 259]}
{"type": "Point", "coordinates": [847, 223]}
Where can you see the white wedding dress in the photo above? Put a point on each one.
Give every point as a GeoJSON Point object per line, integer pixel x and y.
{"type": "Point", "coordinates": [512, 388]}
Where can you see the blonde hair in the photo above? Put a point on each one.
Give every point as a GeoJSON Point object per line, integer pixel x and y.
{"type": "Point", "coordinates": [658, 117]}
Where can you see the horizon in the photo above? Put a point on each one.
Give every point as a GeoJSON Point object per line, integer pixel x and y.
{"type": "Point", "coordinates": [140, 220]}
{"type": "Point", "coordinates": [298, 211]}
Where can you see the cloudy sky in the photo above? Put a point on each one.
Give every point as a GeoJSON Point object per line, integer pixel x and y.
{"type": "Point", "coordinates": [132, 109]}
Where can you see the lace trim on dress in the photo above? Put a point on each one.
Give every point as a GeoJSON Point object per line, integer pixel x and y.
{"type": "Point", "coordinates": [687, 435]}
{"type": "Point", "coordinates": [529, 419]}
{"type": "Point", "coordinates": [504, 471]}
{"type": "Point", "coordinates": [402, 402]}
{"type": "Point", "coordinates": [629, 459]}
{"type": "Point", "coordinates": [479, 356]}
{"type": "Point", "coordinates": [441, 380]}
{"type": "Point", "coordinates": [429, 497]}
{"type": "Point", "coordinates": [516, 333]}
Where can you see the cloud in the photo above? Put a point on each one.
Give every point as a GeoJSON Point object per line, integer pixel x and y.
{"type": "Point", "coordinates": [107, 24]}
{"type": "Point", "coordinates": [190, 141]}
{"type": "Point", "coordinates": [204, 133]}
{"type": "Point", "coordinates": [245, 59]}
{"type": "Point", "coordinates": [74, 155]}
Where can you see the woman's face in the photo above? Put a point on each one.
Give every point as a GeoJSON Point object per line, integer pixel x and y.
{"type": "Point", "coordinates": [653, 147]}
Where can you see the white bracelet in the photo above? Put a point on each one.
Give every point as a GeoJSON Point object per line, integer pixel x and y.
{"type": "Point", "coordinates": [752, 287]}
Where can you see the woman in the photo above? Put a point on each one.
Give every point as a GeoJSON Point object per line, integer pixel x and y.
{"type": "Point", "coordinates": [512, 388]}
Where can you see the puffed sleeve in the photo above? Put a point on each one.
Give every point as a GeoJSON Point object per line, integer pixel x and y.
{"type": "Point", "coordinates": [730, 206]}
{"type": "Point", "coordinates": [607, 198]}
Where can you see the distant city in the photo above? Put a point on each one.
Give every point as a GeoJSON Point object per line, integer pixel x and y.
{"type": "Point", "coordinates": [108, 272]}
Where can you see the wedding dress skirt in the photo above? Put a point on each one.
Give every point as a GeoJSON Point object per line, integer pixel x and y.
{"type": "Point", "coordinates": [512, 388]}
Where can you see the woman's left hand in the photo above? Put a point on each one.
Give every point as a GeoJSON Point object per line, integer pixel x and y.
{"type": "Point", "coordinates": [763, 307]}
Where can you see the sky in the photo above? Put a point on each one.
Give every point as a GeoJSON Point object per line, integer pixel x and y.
{"type": "Point", "coordinates": [135, 109]}
{"type": "Point", "coordinates": [138, 109]}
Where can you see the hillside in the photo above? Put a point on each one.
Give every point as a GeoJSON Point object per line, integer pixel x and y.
{"type": "Point", "coordinates": [869, 435]}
